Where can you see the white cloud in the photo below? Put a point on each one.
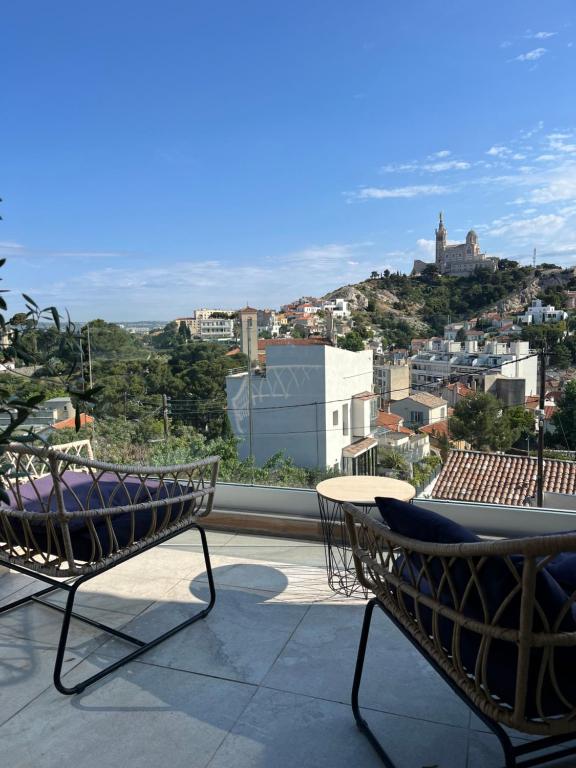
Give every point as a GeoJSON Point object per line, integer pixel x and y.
{"type": "Point", "coordinates": [534, 55]}
{"type": "Point", "coordinates": [545, 158]}
{"type": "Point", "coordinates": [523, 228]}
{"type": "Point", "coordinates": [505, 44]}
{"type": "Point", "coordinates": [447, 165]}
{"type": "Point", "coordinates": [560, 185]}
{"type": "Point", "coordinates": [557, 141]}
{"type": "Point", "coordinates": [542, 35]}
{"type": "Point", "coordinates": [417, 190]}
{"type": "Point", "coordinates": [498, 151]}
{"type": "Point", "coordinates": [11, 246]}
{"type": "Point", "coordinates": [427, 246]}
{"type": "Point", "coordinates": [442, 153]}
{"type": "Point", "coordinates": [518, 156]}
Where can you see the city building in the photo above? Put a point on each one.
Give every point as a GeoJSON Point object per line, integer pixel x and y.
{"type": "Point", "coordinates": [570, 299]}
{"type": "Point", "coordinates": [420, 409]}
{"type": "Point", "coordinates": [441, 361]}
{"type": "Point", "coordinates": [216, 329]}
{"type": "Point", "coordinates": [460, 259]}
{"type": "Point", "coordinates": [391, 381]}
{"type": "Point", "coordinates": [191, 323]}
{"type": "Point", "coordinates": [268, 322]}
{"type": "Point", "coordinates": [45, 415]}
{"type": "Point", "coordinates": [539, 313]}
{"type": "Point", "coordinates": [338, 307]}
{"type": "Point", "coordinates": [314, 402]}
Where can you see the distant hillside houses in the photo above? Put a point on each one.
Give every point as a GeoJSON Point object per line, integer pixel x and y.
{"type": "Point", "coordinates": [539, 313]}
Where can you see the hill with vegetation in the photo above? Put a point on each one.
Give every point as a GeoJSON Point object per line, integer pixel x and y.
{"type": "Point", "coordinates": [400, 306]}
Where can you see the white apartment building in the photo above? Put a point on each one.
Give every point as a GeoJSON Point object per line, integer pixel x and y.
{"type": "Point", "coordinates": [339, 308]}
{"type": "Point", "coordinates": [216, 329]}
{"type": "Point", "coordinates": [315, 403]}
{"type": "Point", "coordinates": [440, 360]}
{"type": "Point", "coordinates": [539, 313]}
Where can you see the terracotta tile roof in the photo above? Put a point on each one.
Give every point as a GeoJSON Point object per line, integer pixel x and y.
{"type": "Point", "coordinates": [355, 449]}
{"type": "Point", "coordinates": [436, 429]}
{"type": "Point", "coordinates": [389, 420]}
{"type": "Point", "coordinates": [532, 402]}
{"type": "Point", "coordinates": [425, 398]}
{"type": "Point", "coordinates": [549, 411]}
{"type": "Point", "coordinates": [460, 389]}
{"type": "Point", "coordinates": [500, 479]}
{"type": "Point", "coordinates": [70, 423]}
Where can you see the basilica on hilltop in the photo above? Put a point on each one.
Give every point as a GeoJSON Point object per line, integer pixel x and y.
{"type": "Point", "coordinates": [460, 259]}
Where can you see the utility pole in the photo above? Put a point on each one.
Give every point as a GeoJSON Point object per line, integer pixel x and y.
{"type": "Point", "coordinates": [540, 416]}
{"type": "Point", "coordinates": [89, 357]}
{"type": "Point", "coordinates": [250, 424]}
{"type": "Point", "coordinates": [165, 416]}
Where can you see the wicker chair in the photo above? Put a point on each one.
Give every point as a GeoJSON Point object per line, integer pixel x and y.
{"type": "Point", "coordinates": [510, 660]}
{"type": "Point", "coordinates": [72, 517]}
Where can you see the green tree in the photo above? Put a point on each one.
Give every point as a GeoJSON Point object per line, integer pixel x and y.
{"type": "Point", "coordinates": [352, 341]}
{"type": "Point", "coordinates": [565, 417]}
{"type": "Point", "coordinates": [480, 421]}
{"type": "Point", "coordinates": [561, 356]}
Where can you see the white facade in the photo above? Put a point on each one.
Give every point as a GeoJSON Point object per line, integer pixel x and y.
{"type": "Point", "coordinates": [391, 382]}
{"type": "Point", "coordinates": [216, 329]}
{"type": "Point", "coordinates": [539, 313]}
{"type": "Point", "coordinates": [338, 307]}
{"type": "Point", "coordinates": [437, 363]}
{"type": "Point", "coordinates": [304, 404]}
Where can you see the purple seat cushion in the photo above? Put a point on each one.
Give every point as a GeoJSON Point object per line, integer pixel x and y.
{"type": "Point", "coordinates": [81, 492]}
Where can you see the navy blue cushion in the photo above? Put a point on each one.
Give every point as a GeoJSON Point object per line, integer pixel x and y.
{"type": "Point", "coordinates": [496, 580]}
{"type": "Point", "coordinates": [80, 492]}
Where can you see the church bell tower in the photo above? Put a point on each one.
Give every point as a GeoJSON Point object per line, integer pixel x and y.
{"type": "Point", "coordinates": [440, 244]}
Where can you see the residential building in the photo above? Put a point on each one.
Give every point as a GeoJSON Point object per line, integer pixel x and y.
{"type": "Point", "coordinates": [314, 402]}
{"type": "Point", "coordinates": [420, 408]}
{"type": "Point", "coordinates": [570, 299]}
{"type": "Point", "coordinates": [442, 361]}
{"type": "Point", "coordinates": [46, 415]}
{"type": "Point", "coordinates": [463, 258]}
{"type": "Point", "coordinates": [249, 333]}
{"type": "Point", "coordinates": [206, 314]}
{"type": "Point", "coordinates": [263, 344]}
{"type": "Point", "coordinates": [495, 478]}
{"type": "Point", "coordinates": [191, 323]}
{"type": "Point", "coordinates": [268, 322]}
{"type": "Point", "coordinates": [216, 329]}
{"type": "Point", "coordinates": [539, 313]}
{"type": "Point", "coordinates": [338, 307]}
{"type": "Point", "coordinates": [455, 392]}
{"type": "Point", "coordinates": [391, 381]}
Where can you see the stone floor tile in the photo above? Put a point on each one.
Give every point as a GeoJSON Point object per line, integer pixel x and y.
{"type": "Point", "coordinates": [283, 730]}
{"type": "Point", "coordinates": [26, 669]}
{"type": "Point", "coordinates": [319, 661]}
{"type": "Point", "coordinates": [239, 640]}
{"type": "Point", "coordinates": [140, 717]}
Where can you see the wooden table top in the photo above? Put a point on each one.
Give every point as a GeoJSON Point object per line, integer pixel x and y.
{"type": "Point", "coordinates": [363, 489]}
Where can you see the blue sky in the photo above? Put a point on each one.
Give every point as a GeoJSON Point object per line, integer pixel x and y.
{"type": "Point", "coordinates": [158, 156]}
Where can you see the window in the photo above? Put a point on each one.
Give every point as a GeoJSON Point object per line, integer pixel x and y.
{"type": "Point", "coordinates": [416, 417]}
{"type": "Point", "coordinates": [335, 418]}
{"type": "Point", "coordinates": [345, 418]}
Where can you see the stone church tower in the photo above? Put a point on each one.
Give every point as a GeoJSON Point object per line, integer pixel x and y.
{"type": "Point", "coordinates": [441, 245]}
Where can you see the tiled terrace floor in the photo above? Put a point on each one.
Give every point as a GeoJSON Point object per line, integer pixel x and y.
{"type": "Point", "coordinates": [263, 682]}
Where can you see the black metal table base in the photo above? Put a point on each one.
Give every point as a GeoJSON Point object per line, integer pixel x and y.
{"type": "Point", "coordinates": [71, 586]}
{"type": "Point", "coordinates": [340, 567]}
{"type": "Point", "coordinates": [511, 752]}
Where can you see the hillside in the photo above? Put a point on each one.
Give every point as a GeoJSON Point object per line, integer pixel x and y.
{"type": "Point", "coordinates": [402, 305]}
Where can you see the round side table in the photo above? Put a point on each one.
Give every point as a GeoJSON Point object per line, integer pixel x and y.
{"type": "Point", "coordinates": [360, 490]}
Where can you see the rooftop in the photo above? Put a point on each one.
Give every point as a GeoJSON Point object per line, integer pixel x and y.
{"type": "Point", "coordinates": [425, 398]}
{"type": "Point", "coordinates": [500, 479]}
{"type": "Point", "coordinates": [263, 682]}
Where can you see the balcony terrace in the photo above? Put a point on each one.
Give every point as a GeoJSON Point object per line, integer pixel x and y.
{"type": "Point", "coordinates": [263, 681]}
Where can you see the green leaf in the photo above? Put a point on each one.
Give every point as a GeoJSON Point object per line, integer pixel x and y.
{"type": "Point", "coordinates": [55, 317]}
{"type": "Point", "coordinates": [29, 300]}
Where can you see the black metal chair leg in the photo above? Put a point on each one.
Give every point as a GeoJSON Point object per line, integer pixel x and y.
{"type": "Point", "coordinates": [143, 647]}
{"type": "Point", "coordinates": [360, 721]}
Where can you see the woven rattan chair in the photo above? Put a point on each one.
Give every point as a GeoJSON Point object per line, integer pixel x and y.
{"type": "Point", "coordinates": [72, 517]}
{"type": "Point", "coordinates": [510, 660]}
